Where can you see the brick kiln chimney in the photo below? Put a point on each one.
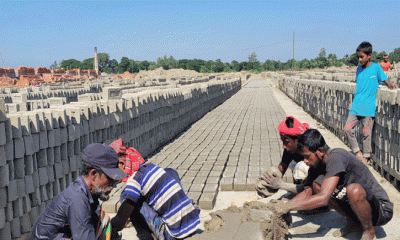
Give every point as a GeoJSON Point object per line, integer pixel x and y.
{"type": "Point", "coordinates": [96, 62]}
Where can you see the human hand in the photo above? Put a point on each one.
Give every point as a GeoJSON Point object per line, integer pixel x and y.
{"type": "Point", "coordinates": [279, 207]}
{"type": "Point", "coordinates": [272, 180]}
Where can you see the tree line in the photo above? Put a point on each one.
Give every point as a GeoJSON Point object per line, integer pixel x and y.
{"type": "Point", "coordinates": [108, 65]}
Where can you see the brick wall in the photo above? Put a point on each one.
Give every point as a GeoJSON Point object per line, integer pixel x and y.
{"type": "Point", "coordinates": [40, 150]}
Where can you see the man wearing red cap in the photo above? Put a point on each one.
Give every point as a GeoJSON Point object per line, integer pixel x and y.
{"type": "Point", "coordinates": [270, 181]}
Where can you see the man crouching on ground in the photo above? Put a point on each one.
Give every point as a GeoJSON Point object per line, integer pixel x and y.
{"type": "Point", "coordinates": [157, 196]}
{"type": "Point", "coordinates": [338, 179]}
{"type": "Point", "coordinates": [76, 213]}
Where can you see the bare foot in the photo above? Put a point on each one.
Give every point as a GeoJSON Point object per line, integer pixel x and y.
{"type": "Point", "coordinates": [368, 235]}
{"type": "Point", "coordinates": [349, 228]}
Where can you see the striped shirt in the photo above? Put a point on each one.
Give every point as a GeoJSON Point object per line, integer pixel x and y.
{"type": "Point", "coordinates": [166, 196]}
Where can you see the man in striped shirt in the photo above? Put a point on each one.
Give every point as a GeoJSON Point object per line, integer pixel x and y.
{"type": "Point", "coordinates": [159, 197]}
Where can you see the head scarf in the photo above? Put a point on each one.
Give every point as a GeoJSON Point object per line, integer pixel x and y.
{"type": "Point", "coordinates": [297, 129]}
{"type": "Point", "coordinates": [130, 156]}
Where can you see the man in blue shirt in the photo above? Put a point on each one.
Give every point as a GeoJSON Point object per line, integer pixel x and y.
{"type": "Point", "coordinates": [369, 75]}
{"type": "Point", "coordinates": [75, 212]}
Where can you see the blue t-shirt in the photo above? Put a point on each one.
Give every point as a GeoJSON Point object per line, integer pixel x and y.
{"type": "Point", "coordinates": [368, 79]}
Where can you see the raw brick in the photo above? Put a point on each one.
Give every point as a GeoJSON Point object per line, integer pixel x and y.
{"type": "Point", "coordinates": [33, 214]}
{"type": "Point", "coordinates": [18, 209]}
{"type": "Point", "coordinates": [5, 232]}
{"type": "Point", "coordinates": [29, 185]}
{"type": "Point", "coordinates": [2, 218]}
{"type": "Point", "coordinates": [25, 125]}
{"type": "Point", "coordinates": [21, 187]}
{"type": "Point", "coordinates": [36, 141]}
{"type": "Point", "coordinates": [43, 178]}
{"type": "Point", "coordinates": [207, 201]}
{"type": "Point", "coordinates": [15, 121]}
{"type": "Point", "coordinates": [15, 228]}
{"type": "Point", "coordinates": [3, 159]}
{"type": "Point", "coordinates": [50, 173]}
{"type": "Point", "coordinates": [19, 147]}
{"type": "Point", "coordinates": [58, 170]}
{"type": "Point", "coordinates": [50, 156]}
{"type": "Point", "coordinates": [41, 157]}
{"type": "Point", "coordinates": [9, 148]}
{"type": "Point", "coordinates": [35, 178]}
{"type": "Point", "coordinates": [3, 197]}
{"type": "Point", "coordinates": [226, 184]}
{"type": "Point", "coordinates": [50, 138]}
{"type": "Point", "coordinates": [12, 191]}
{"type": "Point", "coordinates": [9, 130]}
{"type": "Point", "coordinates": [25, 223]}
{"type": "Point", "coordinates": [3, 138]}
{"type": "Point", "coordinates": [9, 212]}
{"type": "Point", "coordinates": [44, 142]}
{"type": "Point", "coordinates": [26, 204]}
{"type": "Point", "coordinates": [4, 176]}
{"type": "Point", "coordinates": [19, 168]}
{"type": "Point", "coordinates": [28, 160]}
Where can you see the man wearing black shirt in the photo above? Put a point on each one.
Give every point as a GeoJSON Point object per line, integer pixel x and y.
{"type": "Point", "coordinates": [338, 179]}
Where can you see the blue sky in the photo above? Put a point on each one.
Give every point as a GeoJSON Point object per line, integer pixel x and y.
{"type": "Point", "coordinates": [37, 33]}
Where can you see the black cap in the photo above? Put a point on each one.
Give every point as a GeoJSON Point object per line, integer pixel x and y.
{"type": "Point", "coordinates": [104, 157]}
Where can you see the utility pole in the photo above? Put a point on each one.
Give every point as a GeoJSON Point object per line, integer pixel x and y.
{"type": "Point", "coordinates": [2, 60]}
{"type": "Point", "coordinates": [293, 49]}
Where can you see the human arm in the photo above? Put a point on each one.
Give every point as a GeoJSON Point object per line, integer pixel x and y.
{"type": "Point", "coordinates": [305, 201]}
{"type": "Point", "coordinates": [124, 212]}
{"type": "Point", "coordinates": [390, 85]}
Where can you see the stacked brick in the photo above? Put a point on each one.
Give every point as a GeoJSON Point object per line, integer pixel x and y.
{"type": "Point", "coordinates": [329, 102]}
{"type": "Point", "coordinates": [21, 70]}
{"type": "Point", "coordinates": [40, 70]}
{"type": "Point", "coordinates": [40, 150]}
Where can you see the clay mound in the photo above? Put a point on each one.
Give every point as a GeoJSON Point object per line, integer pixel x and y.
{"type": "Point", "coordinates": [160, 72]}
{"type": "Point", "coordinates": [7, 81]}
{"type": "Point", "coordinates": [26, 80]}
{"type": "Point", "coordinates": [117, 77]}
{"type": "Point", "coordinates": [127, 75]}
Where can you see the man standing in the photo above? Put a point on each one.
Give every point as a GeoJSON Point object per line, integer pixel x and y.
{"type": "Point", "coordinates": [338, 179]}
{"type": "Point", "coordinates": [386, 66]}
{"type": "Point", "coordinates": [75, 213]}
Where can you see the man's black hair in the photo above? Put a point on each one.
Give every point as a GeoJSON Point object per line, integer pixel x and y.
{"type": "Point", "coordinates": [289, 123]}
{"type": "Point", "coordinates": [86, 168]}
{"type": "Point", "coordinates": [365, 47]}
{"type": "Point", "coordinates": [312, 139]}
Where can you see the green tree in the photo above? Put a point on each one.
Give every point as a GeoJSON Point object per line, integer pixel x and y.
{"type": "Point", "coordinates": [88, 63]}
{"type": "Point", "coordinates": [204, 69]}
{"type": "Point", "coordinates": [218, 66]}
{"type": "Point", "coordinates": [227, 67]}
{"type": "Point", "coordinates": [123, 65]}
{"type": "Point", "coordinates": [70, 64]}
{"type": "Point", "coordinates": [104, 60]}
{"type": "Point", "coordinates": [253, 57]}
{"type": "Point", "coordinates": [133, 67]}
{"type": "Point", "coordinates": [278, 65]}
{"type": "Point", "coordinates": [269, 65]}
{"type": "Point", "coordinates": [394, 56]}
{"type": "Point", "coordinates": [144, 65]}
{"type": "Point", "coordinates": [332, 59]}
{"type": "Point", "coordinates": [235, 66]}
{"type": "Point", "coordinates": [114, 65]}
{"type": "Point", "coordinates": [305, 63]}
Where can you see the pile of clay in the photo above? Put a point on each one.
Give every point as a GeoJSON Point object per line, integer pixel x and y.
{"type": "Point", "coordinates": [255, 220]}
